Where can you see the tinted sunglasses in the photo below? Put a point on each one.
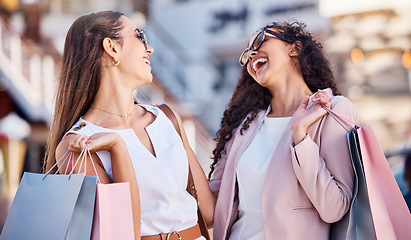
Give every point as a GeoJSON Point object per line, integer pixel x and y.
{"type": "Point", "coordinates": [257, 41]}
{"type": "Point", "coordinates": [142, 36]}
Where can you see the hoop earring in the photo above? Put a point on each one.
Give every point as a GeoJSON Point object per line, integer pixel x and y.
{"type": "Point", "coordinates": [116, 63]}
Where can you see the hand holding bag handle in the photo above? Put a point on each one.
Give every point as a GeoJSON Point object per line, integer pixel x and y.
{"type": "Point", "coordinates": [112, 209]}
{"type": "Point", "coordinates": [84, 210]}
{"type": "Point", "coordinates": [190, 183]}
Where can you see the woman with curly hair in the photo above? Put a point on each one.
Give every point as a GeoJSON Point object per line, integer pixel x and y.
{"type": "Point", "coordinates": [281, 167]}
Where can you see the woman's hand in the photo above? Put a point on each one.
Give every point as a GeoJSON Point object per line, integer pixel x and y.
{"type": "Point", "coordinates": [121, 164]}
{"type": "Point", "coordinates": [96, 142]}
{"type": "Point", "coordinates": [303, 117]}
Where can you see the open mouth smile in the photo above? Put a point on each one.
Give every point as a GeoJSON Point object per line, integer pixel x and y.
{"type": "Point", "coordinates": [258, 63]}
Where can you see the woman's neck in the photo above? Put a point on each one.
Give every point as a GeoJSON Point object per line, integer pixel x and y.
{"type": "Point", "coordinates": [113, 102]}
{"type": "Point", "coordinates": [115, 93]}
{"type": "Point", "coordinates": [287, 98]}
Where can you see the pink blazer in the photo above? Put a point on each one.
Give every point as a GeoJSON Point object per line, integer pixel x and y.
{"type": "Point", "coordinates": [307, 186]}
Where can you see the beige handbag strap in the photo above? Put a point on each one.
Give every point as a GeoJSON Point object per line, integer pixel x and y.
{"type": "Point", "coordinates": [190, 183]}
{"type": "Point", "coordinates": [170, 114]}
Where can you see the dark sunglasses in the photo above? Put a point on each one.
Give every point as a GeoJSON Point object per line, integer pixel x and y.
{"type": "Point", "coordinates": [142, 36]}
{"type": "Point", "coordinates": [257, 41]}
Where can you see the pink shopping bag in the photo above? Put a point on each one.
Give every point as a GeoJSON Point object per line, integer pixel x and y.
{"type": "Point", "coordinates": [113, 217]}
{"type": "Point", "coordinates": [392, 219]}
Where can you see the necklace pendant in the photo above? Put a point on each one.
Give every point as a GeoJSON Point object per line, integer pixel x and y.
{"type": "Point", "coordinates": [123, 115]}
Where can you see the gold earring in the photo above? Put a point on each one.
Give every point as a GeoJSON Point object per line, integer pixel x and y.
{"type": "Point", "coordinates": [116, 63]}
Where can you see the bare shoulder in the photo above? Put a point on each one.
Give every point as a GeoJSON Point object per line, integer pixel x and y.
{"type": "Point", "coordinates": [63, 145]}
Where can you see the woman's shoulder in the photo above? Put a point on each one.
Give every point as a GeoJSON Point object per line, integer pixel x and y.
{"type": "Point", "coordinates": [344, 107]}
{"type": "Point", "coordinates": [342, 102]}
{"type": "Point", "coordinates": [339, 101]}
{"type": "Point", "coordinates": [150, 108]}
{"type": "Point", "coordinates": [81, 127]}
{"type": "Point", "coordinates": [65, 140]}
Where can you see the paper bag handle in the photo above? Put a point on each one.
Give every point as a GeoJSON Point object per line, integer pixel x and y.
{"type": "Point", "coordinates": [70, 155]}
{"type": "Point", "coordinates": [92, 162]}
{"type": "Point", "coordinates": [341, 120]}
{"type": "Point", "coordinates": [83, 156]}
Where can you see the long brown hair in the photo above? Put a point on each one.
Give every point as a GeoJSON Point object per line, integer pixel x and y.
{"type": "Point", "coordinates": [250, 98]}
{"type": "Point", "coordinates": [80, 74]}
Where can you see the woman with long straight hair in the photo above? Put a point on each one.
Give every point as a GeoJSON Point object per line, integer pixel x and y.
{"type": "Point", "coordinates": [281, 167]}
{"type": "Point", "coordinates": [106, 57]}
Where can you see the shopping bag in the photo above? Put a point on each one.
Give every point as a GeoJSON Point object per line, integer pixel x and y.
{"type": "Point", "coordinates": [51, 207]}
{"type": "Point", "coordinates": [378, 209]}
{"type": "Point", "coordinates": [361, 225]}
{"type": "Point", "coordinates": [392, 219]}
{"type": "Point", "coordinates": [113, 216]}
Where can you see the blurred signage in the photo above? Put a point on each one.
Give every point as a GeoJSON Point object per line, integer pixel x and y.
{"type": "Point", "coordinates": [225, 17]}
{"type": "Point", "coordinates": [290, 9]}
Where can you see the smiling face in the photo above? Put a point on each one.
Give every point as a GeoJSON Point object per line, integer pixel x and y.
{"type": "Point", "coordinates": [134, 56]}
{"type": "Point", "coordinates": [271, 61]}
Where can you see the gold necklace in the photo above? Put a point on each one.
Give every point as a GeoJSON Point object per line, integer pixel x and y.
{"type": "Point", "coordinates": [121, 115]}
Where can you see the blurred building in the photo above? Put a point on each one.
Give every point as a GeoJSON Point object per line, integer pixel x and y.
{"type": "Point", "coordinates": [369, 43]}
{"type": "Point", "coordinates": [27, 82]}
{"type": "Point", "coordinates": [197, 45]}
{"type": "Point", "coordinates": [31, 45]}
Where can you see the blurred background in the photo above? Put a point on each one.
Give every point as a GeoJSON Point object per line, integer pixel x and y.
{"type": "Point", "coordinates": [195, 66]}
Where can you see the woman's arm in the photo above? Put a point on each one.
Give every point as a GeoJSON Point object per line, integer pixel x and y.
{"type": "Point", "coordinates": [122, 167]}
{"type": "Point", "coordinates": [324, 168]}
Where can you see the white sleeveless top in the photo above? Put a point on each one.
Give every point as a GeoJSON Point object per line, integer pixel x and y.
{"type": "Point", "coordinates": [251, 172]}
{"type": "Point", "coordinates": [162, 179]}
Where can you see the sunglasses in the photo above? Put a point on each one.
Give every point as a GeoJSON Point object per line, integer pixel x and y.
{"type": "Point", "coordinates": [142, 36]}
{"type": "Point", "coordinates": [257, 41]}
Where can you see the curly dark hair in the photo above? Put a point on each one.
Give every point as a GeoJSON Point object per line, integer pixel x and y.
{"type": "Point", "coordinates": [249, 98]}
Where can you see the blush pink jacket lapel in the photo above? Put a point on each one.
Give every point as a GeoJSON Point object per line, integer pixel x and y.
{"type": "Point", "coordinates": [307, 186]}
{"type": "Point", "coordinates": [224, 178]}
